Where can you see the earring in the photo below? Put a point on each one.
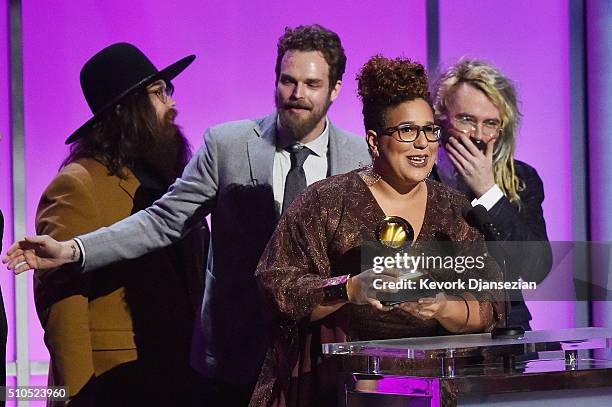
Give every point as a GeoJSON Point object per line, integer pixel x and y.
{"type": "Point", "coordinates": [428, 174]}
{"type": "Point", "coordinates": [370, 176]}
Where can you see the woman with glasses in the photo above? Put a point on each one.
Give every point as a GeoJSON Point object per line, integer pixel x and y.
{"type": "Point", "coordinates": [477, 106]}
{"type": "Point", "coordinates": [311, 297]}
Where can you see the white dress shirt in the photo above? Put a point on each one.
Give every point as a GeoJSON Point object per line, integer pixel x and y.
{"type": "Point", "coordinates": [315, 166]}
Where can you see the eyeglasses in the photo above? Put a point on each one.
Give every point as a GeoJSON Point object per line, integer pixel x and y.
{"type": "Point", "coordinates": [410, 132]}
{"type": "Point", "coordinates": [467, 125]}
{"type": "Point", "coordinates": [163, 93]}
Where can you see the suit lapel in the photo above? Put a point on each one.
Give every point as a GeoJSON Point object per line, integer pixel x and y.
{"type": "Point", "coordinates": [261, 151]}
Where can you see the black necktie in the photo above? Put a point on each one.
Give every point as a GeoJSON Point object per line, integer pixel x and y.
{"type": "Point", "coordinates": [296, 177]}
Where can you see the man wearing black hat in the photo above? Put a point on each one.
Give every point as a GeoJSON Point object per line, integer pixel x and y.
{"type": "Point", "coordinates": [122, 334]}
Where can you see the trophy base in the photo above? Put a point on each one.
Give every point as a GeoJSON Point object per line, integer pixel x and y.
{"type": "Point", "coordinates": [511, 332]}
{"type": "Point", "coordinates": [387, 299]}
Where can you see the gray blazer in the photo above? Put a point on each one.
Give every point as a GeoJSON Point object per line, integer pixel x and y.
{"type": "Point", "coordinates": [230, 177]}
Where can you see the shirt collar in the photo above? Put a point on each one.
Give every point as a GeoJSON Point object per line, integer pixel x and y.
{"type": "Point", "coordinates": [318, 146]}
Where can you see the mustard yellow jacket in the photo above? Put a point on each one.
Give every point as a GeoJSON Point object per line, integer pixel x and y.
{"type": "Point", "coordinates": [89, 319]}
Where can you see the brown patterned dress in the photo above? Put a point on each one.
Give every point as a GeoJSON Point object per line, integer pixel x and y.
{"type": "Point", "coordinates": [329, 220]}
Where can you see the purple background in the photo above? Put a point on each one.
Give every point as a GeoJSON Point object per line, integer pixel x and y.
{"type": "Point", "coordinates": [233, 78]}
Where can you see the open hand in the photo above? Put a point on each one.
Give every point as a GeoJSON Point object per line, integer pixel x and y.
{"type": "Point", "coordinates": [426, 308]}
{"type": "Point", "coordinates": [40, 252]}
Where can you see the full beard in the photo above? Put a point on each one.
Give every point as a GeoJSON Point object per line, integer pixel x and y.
{"type": "Point", "coordinates": [170, 151]}
{"type": "Point", "coordinates": [299, 127]}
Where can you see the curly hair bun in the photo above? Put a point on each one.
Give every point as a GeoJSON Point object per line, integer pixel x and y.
{"type": "Point", "coordinates": [385, 83]}
{"type": "Point", "coordinates": [388, 82]}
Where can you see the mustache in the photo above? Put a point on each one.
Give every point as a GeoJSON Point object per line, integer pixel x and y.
{"type": "Point", "coordinates": [297, 105]}
{"type": "Point", "coordinates": [481, 145]}
{"type": "Point", "coordinates": [170, 115]}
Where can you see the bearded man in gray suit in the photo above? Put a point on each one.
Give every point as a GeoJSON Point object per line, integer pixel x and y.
{"type": "Point", "coordinates": [245, 176]}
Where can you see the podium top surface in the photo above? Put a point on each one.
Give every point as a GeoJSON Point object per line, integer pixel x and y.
{"type": "Point", "coordinates": [416, 348]}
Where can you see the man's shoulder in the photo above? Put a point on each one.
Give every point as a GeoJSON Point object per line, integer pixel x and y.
{"type": "Point", "coordinates": [349, 151]}
{"type": "Point", "coordinates": [532, 182]}
{"type": "Point", "coordinates": [346, 136]}
{"type": "Point", "coordinates": [83, 169]}
{"type": "Point", "coordinates": [86, 172]}
{"type": "Point", "coordinates": [528, 175]}
{"type": "Point", "coordinates": [524, 169]}
{"type": "Point", "coordinates": [239, 129]}
{"type": "Point", "coordinates": [235, 126]}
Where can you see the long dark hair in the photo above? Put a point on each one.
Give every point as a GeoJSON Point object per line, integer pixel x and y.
{"type": "Point", "coordinates": [118, 140]}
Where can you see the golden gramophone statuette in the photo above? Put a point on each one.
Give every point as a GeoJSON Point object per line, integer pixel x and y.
{"type": "Point", "coordinates": [395, 232]}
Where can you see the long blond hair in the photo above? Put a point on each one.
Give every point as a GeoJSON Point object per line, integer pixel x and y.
{"type": "Point", "coordinates": [501, 91]}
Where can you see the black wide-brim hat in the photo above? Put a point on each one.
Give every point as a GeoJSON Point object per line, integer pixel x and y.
{"type": "Point", "coordinates": [115, 72]}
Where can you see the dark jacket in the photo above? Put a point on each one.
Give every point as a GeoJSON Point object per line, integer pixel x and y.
{"type": "Point", "coordinates": [531, 261]}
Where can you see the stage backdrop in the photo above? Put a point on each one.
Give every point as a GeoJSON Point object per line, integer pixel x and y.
{"type": "Point", "coordinates": [233, 77]}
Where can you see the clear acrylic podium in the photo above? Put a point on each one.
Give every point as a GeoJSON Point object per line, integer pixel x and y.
{"type": "Point", "coordinates": [564, 367]}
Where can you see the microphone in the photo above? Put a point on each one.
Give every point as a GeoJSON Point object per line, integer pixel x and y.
{"type": "Point", "coordinates": [479, 217]}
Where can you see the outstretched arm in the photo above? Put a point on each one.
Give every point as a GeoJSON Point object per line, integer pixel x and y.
{"type": "Point", "coordinates": [183, 207]}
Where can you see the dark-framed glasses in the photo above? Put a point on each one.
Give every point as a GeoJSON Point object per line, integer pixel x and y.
{"type": "Point", "coordinates": [163, 92]}
{"type": "Point", "coordinates": [408, 132]}
{"type": "Point", "coordinates": [468, 126]}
